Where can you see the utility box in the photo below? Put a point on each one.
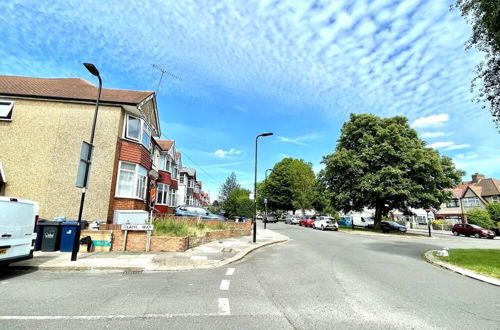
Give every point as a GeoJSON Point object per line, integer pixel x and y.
{"type": "Point", "coordinates": [132, 217]}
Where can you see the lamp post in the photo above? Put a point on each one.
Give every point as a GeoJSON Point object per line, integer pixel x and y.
{"type": "Point", "coordinates": [255, 188]}
{"type": "Point", "coordinates": [265, 201]}
{"type": "Point", "coordinates": [93, 70]}
{"type": "Point", "coordinates": [352, 218]}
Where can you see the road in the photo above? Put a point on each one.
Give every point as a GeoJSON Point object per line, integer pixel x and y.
{"type": "Point", "coordinates": [317, 280]}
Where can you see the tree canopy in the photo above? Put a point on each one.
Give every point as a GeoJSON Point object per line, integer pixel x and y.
{"type": "Point", "coordinates": [480, 217]}
{"type": "Point", "coordinates": [289, 186]}
{"type": "Point", "coordinates": [484, 16]}
{"type": "Point", "coordinates": [382, 164]}
{"type": "Point", "coordinates": [238, 203]}
{"type": "Point", "coordinates": [228, 186]}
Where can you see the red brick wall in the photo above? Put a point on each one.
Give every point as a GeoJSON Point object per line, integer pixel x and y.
{"type": "Point", "coordinates": [135, 153]}
{"type": "Point", "coordinates": [128, 204]}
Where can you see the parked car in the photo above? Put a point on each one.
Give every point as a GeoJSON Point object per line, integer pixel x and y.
{"type": "Point", "coordinates": [472, 230]}
{"type": "Point", "coordinates": [296, 219]}
{"type": "Point", "coordinates": [388, 226]}
{"type": "Point", "coordinates": [288, 219]}
{"type": "Point", "coordinates": [496, 230]}
{"type": "Point", "coordinates": [259, 217]}
{"type": "Point", "coordinates": [304, 220]}
{"type": "Point", "coordinates": [309, 222]}
{"type": "Point", "coordinates": [17, 227]}
{"type": "Point", "coordinates": [324, 223]}
{"type": "Point", "coordinates": [271, 218]}
{"type": "Point", "coordinates": [195, 211]}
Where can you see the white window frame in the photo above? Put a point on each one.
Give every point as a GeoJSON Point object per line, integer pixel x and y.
{"type": "Point", "coordinates": [163, 189]}
{"type": "Point", "coordinates": [10, 110]}
{"type": "Point", "coordinates": [471, 202]}
{"type": "Point", "coordinates": [137, 176]}
{"type": "Point", "coordinates": [182, 179]}
{"type": "Point", "coordinates": [495, 199]}
{"type": "Point", "coordinates": [144, 128]}
{"type": "Point", "coordinates": [172, 197]}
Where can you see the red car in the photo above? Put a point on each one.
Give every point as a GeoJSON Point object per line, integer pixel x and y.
{"type": "Point", "coordinates": [307, 221]}
{"type": "Point", "coordinates": [472, 230]}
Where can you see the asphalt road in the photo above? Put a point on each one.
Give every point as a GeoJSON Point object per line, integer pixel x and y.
{"type": "Point", "coordinates": [317, 280]}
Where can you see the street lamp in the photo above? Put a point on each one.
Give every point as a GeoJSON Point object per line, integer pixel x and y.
{"type": "Point", "coordinates": [265, 201]}
{"type": "Point", "coordinates": [255, 188]}
{"type": "Point", "coordinates": [93, 70]}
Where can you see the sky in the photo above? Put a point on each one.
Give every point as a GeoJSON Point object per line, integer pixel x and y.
{"type": "Point", "coordinates": [294, 68]}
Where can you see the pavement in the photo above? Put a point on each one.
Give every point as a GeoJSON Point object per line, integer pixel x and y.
{"type": "Point", "coordinates": [210, 255]}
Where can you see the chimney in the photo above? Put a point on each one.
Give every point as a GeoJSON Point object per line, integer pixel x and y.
{"type": "Point", "coordinates": [476, 177]}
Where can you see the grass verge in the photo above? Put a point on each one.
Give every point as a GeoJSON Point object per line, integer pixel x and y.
{"type": "Point", "coordinates": [482, 261]}
{"type": "Point", "coordinates": [180, 229]}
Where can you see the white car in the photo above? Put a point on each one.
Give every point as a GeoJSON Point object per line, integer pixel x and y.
{"type": "Point", "coordinates": [324, 223]}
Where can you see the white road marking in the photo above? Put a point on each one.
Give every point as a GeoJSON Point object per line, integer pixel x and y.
{"type": "Point", "coordinates": [224, 284]}
{"type": "Point", "coordinates": [230, 271]}
{"type": "Point", "coordinates": [99, 317]}
{"type": "Point", "coordinates": [4, 282]}
{"type": "Point", "coordinates": [224, 306]}
{"type": "Point", "coordinates": [199, 258]}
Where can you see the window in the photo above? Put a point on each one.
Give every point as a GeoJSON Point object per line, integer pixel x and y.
{"type": "Point", "coordinates": [163, 159]}
{"type": "Point", "coordinates": [169, 165]}
{"type": "Point", "coordinates": [495, 199]}
{"type": "Point", "coordinates": [173, 197]}
{"type": "Point", "coordinates": [6, 110]}
{"type": "Point", "coordinates": [131, 181]}
{"type": "Point", "coordinates": [471, 202]}
{"type": "Point", "coordinates": [453, 203]}
{"type": "Point", "coordinates": [137, 129]}
{"type": "Point", "coordinates": [182, 179]}
{"type": "Point", "coordinates": [162, 194]}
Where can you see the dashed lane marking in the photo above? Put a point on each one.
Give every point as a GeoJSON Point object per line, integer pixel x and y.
{"type": "Point", "coordinates": [230, 272]}
{"type": "Point", "coordinates": [224, 306]}
{"type": "Point", "coordinates": [224, 284]}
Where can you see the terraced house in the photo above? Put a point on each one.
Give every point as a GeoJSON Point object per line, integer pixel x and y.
{"type": "Point", "coordinates": [43, 122]}
{"type": "Point", "coordinates": [167, 162]}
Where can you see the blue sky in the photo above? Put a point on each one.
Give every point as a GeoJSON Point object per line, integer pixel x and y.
{"type": "Point", "coordinates": [295, 68]}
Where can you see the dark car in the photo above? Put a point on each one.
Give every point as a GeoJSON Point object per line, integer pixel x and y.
{"type": "Point", "coordinates": [195, 211]}
{"type": "Point", "coordinates": [388, 226]}
{"type": "Point", "coordinates": [472, 230]}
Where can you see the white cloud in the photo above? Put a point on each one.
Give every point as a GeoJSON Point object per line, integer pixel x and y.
{"type": "Point", "coordinates": [433, 134]}
{"type": "Point", "coordinates": [448, 145]}
{"type": "Point", "coordinates": [431, 121]}
{"type": "Point", "coordinates": [298, 140]}
{"type": "Point", "coordinates": [224, 153]}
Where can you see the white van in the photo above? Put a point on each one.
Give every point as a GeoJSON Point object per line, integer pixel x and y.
{"type": "Point", "coordinates": [17, 224]}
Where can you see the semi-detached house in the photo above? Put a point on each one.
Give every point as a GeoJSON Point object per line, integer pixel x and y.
{"type": "Point", "coordinates": [43, 122]}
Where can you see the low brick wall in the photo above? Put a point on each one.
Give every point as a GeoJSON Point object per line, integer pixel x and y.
{"type": "Point", "coordinates": [217, 235]}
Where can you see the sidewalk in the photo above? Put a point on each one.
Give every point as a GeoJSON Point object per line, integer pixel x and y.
{"type": "Point", "coordinates": [211, 255]}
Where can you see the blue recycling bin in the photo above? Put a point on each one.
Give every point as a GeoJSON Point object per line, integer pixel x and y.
{"type": "Point", "coordinates": [68, 232]}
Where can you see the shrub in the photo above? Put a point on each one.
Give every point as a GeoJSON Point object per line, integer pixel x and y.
{"type": "Point", "coordinates": [494, 211]}
{"type": "Point", "coordinates": [479, 217]}
{"type": "Point", "coordinates": [171, 228]}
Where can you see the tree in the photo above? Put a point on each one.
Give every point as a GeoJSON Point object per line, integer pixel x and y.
{"type": "Point", "coordinates": [238, 203]}
{"type": "Point", "coordinates": [227, 187]}
{"type": "Point", "coordinates": [381, 163]}
{"type": "Point", "coordinates": [321, 197]}
{"type": "Point", "coordinates": [484, 15]}
{"type": "Point", "coordinates": [479, 217]}
{"type": "Point", "coordinates": [279, 187]}
{"type": "Point", "coordinates": [494, 211]}
{"type": "Point", "coordinates": [303, 179]}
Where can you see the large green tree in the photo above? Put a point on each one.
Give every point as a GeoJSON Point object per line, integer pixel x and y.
{"type": "Point", "coordinates": [289, 186]}
{"type": "Point", "coordinates": [238, 203]}
{"type": "Point", "coordinates": [484, 16]}
{"type": "Point", "coordinates": [381, 163]}
{"type": "Point", "coordinates": [322, 197]}
{"type": "Point", "coordinates": [228, 187]}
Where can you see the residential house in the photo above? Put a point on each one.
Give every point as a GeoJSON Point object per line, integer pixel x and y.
{"type": "Point", "coordinates": [471, 194]}
{"type": "Point", "coordinates": [166, 158]}
{"type": "Point", "coordinates": [187, 186]}
{"type": "Point", "coordinates": [43, 122]}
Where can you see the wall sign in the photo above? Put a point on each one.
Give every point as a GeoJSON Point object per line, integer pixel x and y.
{"type": "Point", "coordinates": [137, 227]}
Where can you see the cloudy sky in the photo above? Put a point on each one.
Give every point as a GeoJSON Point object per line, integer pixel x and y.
{"type": "Point", "coordinates": [295, 68]}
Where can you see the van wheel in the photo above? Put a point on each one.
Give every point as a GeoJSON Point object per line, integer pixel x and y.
{"type": "Point", "coordinates": [455, 233]}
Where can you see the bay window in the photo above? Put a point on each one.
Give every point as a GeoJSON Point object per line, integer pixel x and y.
{"type": "Point", "coordinates": [173, 197]}
{"type": "Point", "coordinates": [132, 180]}
{"type": "Point", "coordinates": [162, 194]}
{"type": "Point", "coordinates": [136, 129]}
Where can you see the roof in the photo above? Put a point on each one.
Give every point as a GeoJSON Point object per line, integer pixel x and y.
{"type": "Point", "coordinates": [67, 89]}
{"type": "Point", "coordinates": [165, 144]}
{"type": "Point", "coordinates": [177, 155]}
{"type": "Point", "coordinates": [189, 171]}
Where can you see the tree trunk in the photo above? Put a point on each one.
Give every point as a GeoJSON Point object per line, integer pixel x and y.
{"type": "Point", "coordinates": [378, 215]}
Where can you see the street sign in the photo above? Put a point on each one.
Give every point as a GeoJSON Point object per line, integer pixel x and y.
{"type": "Point", "coordinates": [82, 175]}
{"type": "Point", "coordinates": [137, 227]}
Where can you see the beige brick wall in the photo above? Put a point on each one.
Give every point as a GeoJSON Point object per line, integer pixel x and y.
{"type": "Point", "coordinates": [40, 152]}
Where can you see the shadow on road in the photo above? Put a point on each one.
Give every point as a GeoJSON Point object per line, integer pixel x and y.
{"type": "Point", "coordinates": [406, 249]}
{"type": "Point", "coordinates": [8, 273]}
